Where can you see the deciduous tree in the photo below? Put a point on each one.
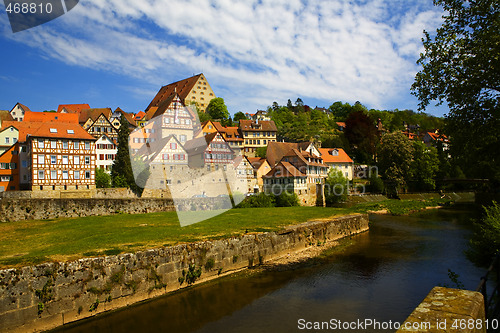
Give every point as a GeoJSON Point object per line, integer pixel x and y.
{"type": "Point", "coordinates": [461, 65]}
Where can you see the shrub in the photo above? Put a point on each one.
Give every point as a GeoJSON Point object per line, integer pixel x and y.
{"type": "Point", "coordinates": [259, 200]}
{"type": "Point", "coordinates": [485, 242]}
{"type": "Point", "coordinates": [287, 199]}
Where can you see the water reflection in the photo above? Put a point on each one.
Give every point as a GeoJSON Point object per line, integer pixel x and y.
{"type": "Point", "coordinates": [384, 275]}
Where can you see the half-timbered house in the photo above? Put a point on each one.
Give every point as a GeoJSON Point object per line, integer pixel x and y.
{"type": "Point", "coordinates": [63, 157]}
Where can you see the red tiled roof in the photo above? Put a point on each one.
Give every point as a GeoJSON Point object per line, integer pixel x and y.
{"type": "Point", "coordinates": [43, 130]}
{"type": "Point", "coordinates": [340, 124]}
{"type": "Point", "coordinates": [262, 125]}
{"type": "Point", "coordinates": [182, 87]}
{"type": "Point", "coordinates": [51, 117]}
{"type": "Point", "coordinates": [342, 156]}
{"type": "Point", "coordinates": [73, 108]}
{"type": "Point", "coordinates": [139, 115]}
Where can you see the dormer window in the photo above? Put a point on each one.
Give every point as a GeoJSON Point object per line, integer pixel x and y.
{"type": "Point", "coordinates": [70, 131]}
{"type": "Point", "coordinates": [335, 152]}
{"type": "Point", "coordinates": [53, 130]}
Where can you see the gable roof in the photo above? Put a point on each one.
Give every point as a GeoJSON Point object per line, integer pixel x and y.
{"type": "Point", "coordinates": [262, 125]}
{"type": "Point", "coordinates": [5, 115]}
{"type": "Point", "coordinates": [45, 130]}
{"type": "Point", "coordinates": [51, 117]}
{"type": "Point", "coordinates": [93, 114]}
{"type": "Point", "coordinates": [182, 87]}
{"type": "Point", "coordinates": [199, 145]}
{"type": "Point", "coordinates": [129, 117]}
{"type": "Point", "coordinates": [23, 107]}
{"type": "Point", "coordinates": [72, 108]}
{"type": "Point", "coordinates": [139, 115]}
{"type": "Point", "coordinates": [284, 169]}
{"type": "Point", "coordinates": [276, 150]}
{"type": "Point", "coordinates": [342, 156]}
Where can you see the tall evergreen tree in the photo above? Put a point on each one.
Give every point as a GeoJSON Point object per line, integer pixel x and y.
{"type": "Point", "coordinates": [121, 171]}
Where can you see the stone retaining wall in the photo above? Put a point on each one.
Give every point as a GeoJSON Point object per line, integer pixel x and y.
{"type": "Point", "coordinates": [448, 310]}
{"type": "Point", "coordinates": [48, 295]}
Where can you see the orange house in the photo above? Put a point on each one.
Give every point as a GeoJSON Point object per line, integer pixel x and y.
{"type": "Point", "coordinates": [9, 169]}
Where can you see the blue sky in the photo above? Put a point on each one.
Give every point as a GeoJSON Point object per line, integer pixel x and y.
{"type": "Point", "coordinates": [120, 52]}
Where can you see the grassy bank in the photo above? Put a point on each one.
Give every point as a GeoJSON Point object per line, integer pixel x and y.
{"type": "Point", "coordinates": [32, 242]}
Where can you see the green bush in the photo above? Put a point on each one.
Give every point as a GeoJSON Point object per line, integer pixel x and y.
{"type": "Point", "coordinates": [287, 199]}
{"type": "Point", "coordinates": [259, 200]}
{"type": "Point", "coordinates": [485, 242]}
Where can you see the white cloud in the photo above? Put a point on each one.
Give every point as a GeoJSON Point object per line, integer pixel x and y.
{"type": "Point", "coordinates": [253, 51]}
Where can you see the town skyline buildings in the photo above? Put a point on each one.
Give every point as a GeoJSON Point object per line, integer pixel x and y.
{"type": "Point", "coordinates": [319, 52]}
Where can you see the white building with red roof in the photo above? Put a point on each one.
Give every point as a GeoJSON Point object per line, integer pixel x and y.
{"type": "Point", "coordinates": [337, 158]}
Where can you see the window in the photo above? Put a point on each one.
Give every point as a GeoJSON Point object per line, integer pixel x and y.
{"type": "Point", "coordinates": [53, 144]}
{"type": "Point", "coordinates": [65, 144]}
{"type": "Point", "coordinates": [53, 159]}
{"type": "Point", "coordinates": [53, 130]}
{"type": "Point", "coordinates": [7, 178]}
{"type": "Point", "coordinates": [14, 140]}
{"type": "Point", "coordinates": [24, 164]}
{"type": "Point", "coordinates": [41, 174]}
{"type": "Point", "coordinates": [173, 145]}
{"type": "Point", "coordinates": [87, 174]}
{"type": "Point", "coordinates": [53, 174]}
{"type": "Point", "coordinates": [70, 131]}
{"type": "Point", "coordinates": [65, 174]}
{"type": "Point", "coordinates": [6, 140]}
{"type": "Point", "coordinates": [41, 159]}
{"type": "Point", "coordinates": [87, 145]}
{"type": "Point", "coordinates": [76, 145]}
{"type": "Point", "coordinates": [65, 159]}
{"type": "Point", "coordinates": [76, 160]}
{"type": "Point", "coordinates": [183, 138]}
{"type": "Point", "coordinates": [87, 159]}
{"type": "Point", "coordinates": [40, 144]}
{"type": "Point", "coordinates": [165, 156]}
{"type": "Point", "coordinates": [208, 167]}
{"type": "Point", "coordinates": [76, 174]}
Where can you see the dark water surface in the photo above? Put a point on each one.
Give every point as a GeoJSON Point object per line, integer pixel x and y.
{"type": "Point", "coordinates": [383, 275]}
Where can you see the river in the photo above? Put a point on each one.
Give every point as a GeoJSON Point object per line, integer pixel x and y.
{"type": "Point", "coordinates": [382, 275]}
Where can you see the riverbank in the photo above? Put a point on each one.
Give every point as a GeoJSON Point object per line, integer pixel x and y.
{"type": "Point", "coordinates": [48, 295]}
{"type": "Point", "coordinates": [66, 239]}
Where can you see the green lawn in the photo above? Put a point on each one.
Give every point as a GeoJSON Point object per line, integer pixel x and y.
{"type": "Point", "coordinates": [31, 242]}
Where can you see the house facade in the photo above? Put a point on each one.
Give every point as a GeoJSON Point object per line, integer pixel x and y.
{"type": "Point", "coordinates": [63, 157]}
{"type": "Point", "coordinates": [337, 158]}
{"type": "Point", "coordinates": [257, 134]}
{"type": "Point", "coordinates": [106, 150]}
{"type": "Point", "coordinates": [18, 111]}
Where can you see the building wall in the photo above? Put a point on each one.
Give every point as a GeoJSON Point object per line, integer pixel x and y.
{"type": "Point", "coordinates": [8, 137]}
{"type": "Point", "coordinates": [346, 168]}
{"type": "Point", "coordinates": [105, 153]}
{"type": "Point", "coordinates": [63, 168]}
{"type": "Point", "coordinates": [201, 94]}
{"type": "Point", "coordinates": [17, 113]}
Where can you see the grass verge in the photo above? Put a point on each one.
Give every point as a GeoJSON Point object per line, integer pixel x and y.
{"type": "Point", "coordinates": [33, 242]}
